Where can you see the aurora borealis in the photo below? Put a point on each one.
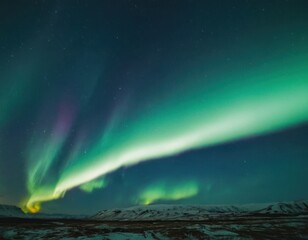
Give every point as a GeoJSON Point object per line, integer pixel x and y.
{"type": "Point", "coordinates": [168, 191]}
{"type": "Point", "coordinates": [214, 92]}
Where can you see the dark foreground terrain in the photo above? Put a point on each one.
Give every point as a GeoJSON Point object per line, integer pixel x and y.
{"type": "Point", "coordinates": [249, 227]}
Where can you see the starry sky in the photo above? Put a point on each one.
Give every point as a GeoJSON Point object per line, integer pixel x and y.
{"type": "Point", "coordinates": [107, 104]}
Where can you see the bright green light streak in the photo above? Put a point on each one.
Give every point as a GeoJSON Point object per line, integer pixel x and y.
{"type": "Point", "coordinates": [42, 153]}
{"type": "Point", "coordinates": [40, 160]}
{"type": "Point", "coordinates": [258, 103]}
{"type": "Point", "coordinates": [163, 190]}
{"type": "Point", "coordinates": [268, 103]}
{"type": "Point", "coordinates": [93, 185]}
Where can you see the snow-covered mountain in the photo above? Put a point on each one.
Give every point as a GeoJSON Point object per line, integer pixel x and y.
{"type": "Point", "coordinates": [175, 212]}
{"type": "Point", "coordinates": [184, 212]}
{"type": "Point", "coordinates": [11, 211]}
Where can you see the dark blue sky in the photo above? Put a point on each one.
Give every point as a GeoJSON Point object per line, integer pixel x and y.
{"type": "Point", "coordinates": [117, 103]}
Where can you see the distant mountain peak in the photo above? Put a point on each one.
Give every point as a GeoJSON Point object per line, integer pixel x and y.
{"type": "Point", "coordinates": [201, 212]}
{"type": "Point", "coordinates": [11, 211]}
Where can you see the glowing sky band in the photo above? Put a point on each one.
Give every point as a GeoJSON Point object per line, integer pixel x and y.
{"type": "Point", "coordinates": [259, 103]}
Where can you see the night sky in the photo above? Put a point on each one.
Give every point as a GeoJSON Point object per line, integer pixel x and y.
{"type": "Point", "coordinates": [113, 103]}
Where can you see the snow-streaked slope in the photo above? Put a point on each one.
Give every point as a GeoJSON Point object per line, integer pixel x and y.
{"type": "Point", "coordinates": [184, 212]}
{"type": "Point", "coordinates": [247, 227]}
{"type": "Point", "coordinates": [11, 211]}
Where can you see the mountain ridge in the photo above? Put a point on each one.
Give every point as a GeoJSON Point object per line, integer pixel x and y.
{"type": "Point", "coordinates": [11, 211]}
{"type": "Point", "coordinates": [173, 212]}
{"type": "Point", "coordinates": [201, 212]}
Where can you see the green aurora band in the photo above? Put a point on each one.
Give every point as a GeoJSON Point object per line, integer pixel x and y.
{"type": "Point", "coordinates": [242, 104]}
{"type": "Point", "coordinates": [164, 190]}
{"type": "Point", "coordinates": [44, 151]}
{"type": "Point", "coordinates": [93, 185]}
